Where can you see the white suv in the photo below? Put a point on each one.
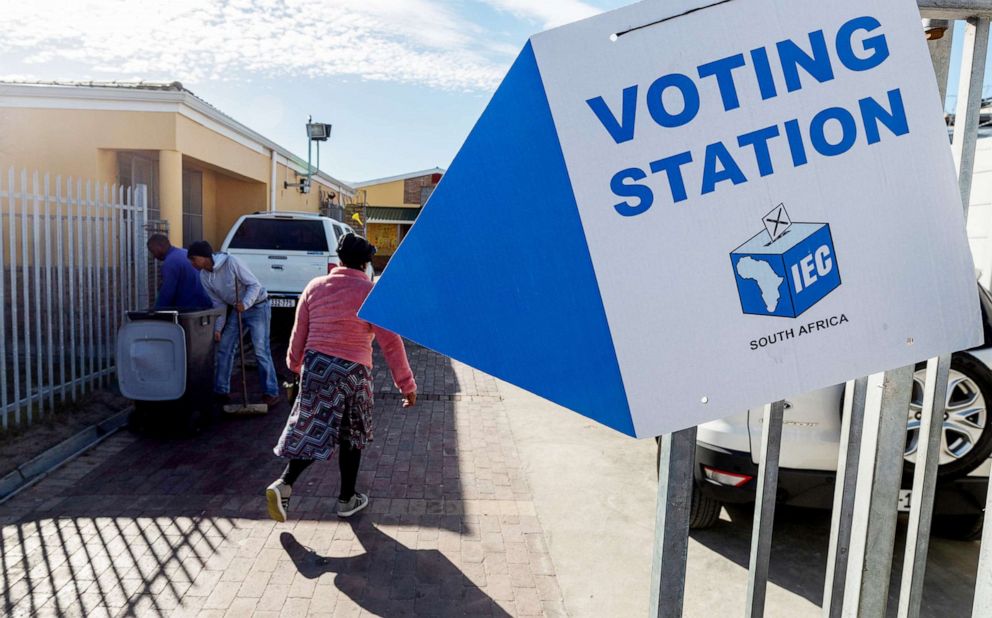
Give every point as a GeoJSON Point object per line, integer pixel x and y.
{"type": "Point", "coordinates": [286, 250]}
{"type": "Point", "coordinates": [727, 450]}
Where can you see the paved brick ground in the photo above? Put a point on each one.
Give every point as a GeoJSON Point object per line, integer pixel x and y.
{"type": "Point", "coordinates": [166, 526]}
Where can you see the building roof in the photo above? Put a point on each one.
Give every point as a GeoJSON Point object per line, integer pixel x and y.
{"type": "Point", "coordinates": [153, 96]}
{"type": "Point", "coordinates": [379, 181]}
{"type": "Point", "coordinates": [387, 214]}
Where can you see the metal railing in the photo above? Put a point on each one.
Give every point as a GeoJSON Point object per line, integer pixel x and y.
{"type": "Point", "coordinates": [873, 436]}
{"type": "Point", "coordinates": [154, 267]}
{"type": "Point", "coordinates": [72, 261]}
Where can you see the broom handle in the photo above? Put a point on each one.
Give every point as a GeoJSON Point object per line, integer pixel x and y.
{"type": "Point", "coordinates": [241, 343]}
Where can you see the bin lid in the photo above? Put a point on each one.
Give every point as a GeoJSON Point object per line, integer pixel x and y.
{"type": "Point", "coordinates": [151, 360]}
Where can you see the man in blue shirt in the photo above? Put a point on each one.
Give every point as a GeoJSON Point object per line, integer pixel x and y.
{"type": "Point", "coordinates": [181, 287]}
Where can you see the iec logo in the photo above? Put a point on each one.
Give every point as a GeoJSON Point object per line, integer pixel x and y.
{"type": "Point", "coordinates": [787, 268]}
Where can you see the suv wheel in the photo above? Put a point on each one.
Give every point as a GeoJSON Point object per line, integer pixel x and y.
{"type": "Point", "coordinates": [966, 438]}
{"type": "Point", "coordinates": [704, 512]}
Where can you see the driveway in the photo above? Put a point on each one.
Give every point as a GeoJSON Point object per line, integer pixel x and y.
{"type": "Point", "coordinates": [594, 491]}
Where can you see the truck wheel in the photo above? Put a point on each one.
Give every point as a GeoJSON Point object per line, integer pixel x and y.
{"type": "Point", "coordinates": [966, 437]}
{"type": "Point", "coordinates": [959, 527]}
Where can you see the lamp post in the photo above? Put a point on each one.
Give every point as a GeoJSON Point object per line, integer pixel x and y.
{"type": "Point", "coordinates": [316, 132]}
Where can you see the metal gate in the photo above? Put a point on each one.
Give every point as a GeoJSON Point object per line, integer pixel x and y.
{"type": "Point", "coordinates": [72, 261]}
{"type": "Point", "coordinates": [873, 435]}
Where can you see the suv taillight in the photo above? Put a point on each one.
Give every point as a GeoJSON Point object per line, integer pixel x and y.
{"type": "Point", "coordinates": [330, 267]}
{"type": "Point", "coordinates": [723, 477]}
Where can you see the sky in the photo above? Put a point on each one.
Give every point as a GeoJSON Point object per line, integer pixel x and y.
{"type": "Point", "coordinates": [401, 81]}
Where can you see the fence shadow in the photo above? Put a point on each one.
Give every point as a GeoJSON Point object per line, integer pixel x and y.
{"type": "Point", "coordinates": [81, 565]}
{"type": "Point", "coordinates": [159, 522]}
{"type": "Point", "coordinates": [389, 576]}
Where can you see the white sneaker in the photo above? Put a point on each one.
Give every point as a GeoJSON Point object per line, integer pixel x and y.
{"type": "Point", "coordinates": [277, 498]}
{"type": "Point", "coordinates": [349, 508]}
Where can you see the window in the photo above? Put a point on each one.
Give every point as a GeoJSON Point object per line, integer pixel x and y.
{"type": "Point", "coordinates": [134, 169]}
{"type": "Point", "coordinates": [280, 235]}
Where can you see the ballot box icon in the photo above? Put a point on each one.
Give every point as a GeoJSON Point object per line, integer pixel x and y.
{"type": "Point", "coordinates": [786, 275]}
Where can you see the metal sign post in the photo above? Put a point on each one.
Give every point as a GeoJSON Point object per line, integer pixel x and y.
{"type": "Point", "coordinates": [675, 467]}
{"type": "Point", "coordinates": [852, 427]}
{"type": "Point", "coordinates": [873, 522]}
{"type": "Point", "coordinates": [924, 486]}
{"type": "Point", "coordinates": [764, 509]}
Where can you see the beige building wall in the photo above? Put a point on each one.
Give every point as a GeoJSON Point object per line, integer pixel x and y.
{"type": "Point", "coordinates": [75, 142]}
{"type": "Point", "coordinates": [195, 140]}
{"type": "Point", "coordinates": [386, 194]}
{"type": "Point", "coordinates": [391, 194]}
{"type": "Point", "coordinates": [290, 199]}
{"type": "Point", "coordinates": [236, 171]}
{"type": "Point", "coordinates": [212, 231]}
{"type": "Point", "coordinates": [234, 198]}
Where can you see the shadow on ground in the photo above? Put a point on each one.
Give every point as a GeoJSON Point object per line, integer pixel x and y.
{"type": "Point", "coordinates": [428, 580]}
{"type": "Point", "coordinates": [799, 557]}
{"type": "Point", "coordinates": [158, 522]}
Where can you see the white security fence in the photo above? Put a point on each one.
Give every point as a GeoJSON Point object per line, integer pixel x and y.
{"type": "Point", "coordinates": [873, 435]}
{"type": "Point", "coordinates": [72, 261]}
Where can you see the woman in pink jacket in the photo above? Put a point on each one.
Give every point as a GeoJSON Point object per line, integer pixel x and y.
{"type": "Point", "coordinates": [331, 349]}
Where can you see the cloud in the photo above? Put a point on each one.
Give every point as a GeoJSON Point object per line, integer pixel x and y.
{"type": "Point", "coordinates": [549, 13]}
{"type": "Point", "coordinates": [194, 41]}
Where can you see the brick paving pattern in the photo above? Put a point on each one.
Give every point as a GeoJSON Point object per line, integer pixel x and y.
{"type": "Point", "coordinates": [178, 527]}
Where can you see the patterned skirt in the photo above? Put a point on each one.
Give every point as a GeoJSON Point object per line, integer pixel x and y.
{"type": "Point", "coordinates": [334, 405]}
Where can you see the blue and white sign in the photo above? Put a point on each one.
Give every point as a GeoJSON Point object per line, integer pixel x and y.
{"type": "Point", "coordinates": [578, 245]}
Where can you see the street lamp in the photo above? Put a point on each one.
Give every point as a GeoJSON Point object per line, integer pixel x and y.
{"type": "Point", "coordinates": [316, 132]}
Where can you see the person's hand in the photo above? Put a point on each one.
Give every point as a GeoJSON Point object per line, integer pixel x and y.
{"type": "Point", "coordinates": [410, 399]}
{"type": "Point", "coordinates": [240, 307]}
{"type": "Point", "coordinates": [217, 336]}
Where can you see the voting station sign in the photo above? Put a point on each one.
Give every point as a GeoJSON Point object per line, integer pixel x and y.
{"type": "Point", "coordinates": [578, 245]}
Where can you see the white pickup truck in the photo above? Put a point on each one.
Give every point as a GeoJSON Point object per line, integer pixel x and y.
{"type": "Point", "coordinates": [286, 250]}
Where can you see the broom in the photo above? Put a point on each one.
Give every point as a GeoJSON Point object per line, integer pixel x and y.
{"type": "Point", "coordinates": [244, 408]}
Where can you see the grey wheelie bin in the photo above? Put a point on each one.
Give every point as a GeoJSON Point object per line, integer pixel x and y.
{"type": "Point", "coordinates": [165, 364]}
